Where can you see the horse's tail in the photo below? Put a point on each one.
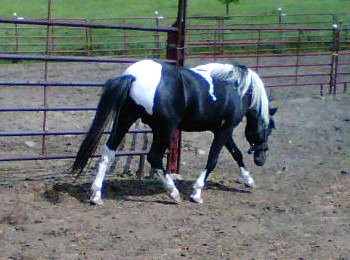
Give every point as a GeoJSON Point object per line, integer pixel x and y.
{"type": "Point", "coordinates": [112, 100]}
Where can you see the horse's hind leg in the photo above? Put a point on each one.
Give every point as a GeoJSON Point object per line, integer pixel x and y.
{"type": "Point", "coordinates": [162, 137]}
{"type": "Point", "coordinates": [238, 157]}
{"type": "Point", "coordinates": [120, 128]}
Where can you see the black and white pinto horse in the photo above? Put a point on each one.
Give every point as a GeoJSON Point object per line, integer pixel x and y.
{"type": "Point", "coordinates": [213, 97]}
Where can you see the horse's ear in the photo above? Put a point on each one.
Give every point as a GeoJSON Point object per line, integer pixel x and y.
{"type": "Point", "coordinates": [273, 111]}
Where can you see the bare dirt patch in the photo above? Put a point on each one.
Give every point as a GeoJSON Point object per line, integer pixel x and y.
{"type": "Point", "coordinates": [300, 210]}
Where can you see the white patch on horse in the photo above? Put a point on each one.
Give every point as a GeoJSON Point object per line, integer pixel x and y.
{"type": "Point", "coordinates": [246, 178]}
{"type": "Point", "coordinates": [227, 72]}
{"type": "Point", "coordinates": [104, 165]}
{"type": "Point", "coordinates": [147, 74]}
{"type": "Point", "coordinates": [198, 186]}
{"type": "Point", "coordinates": [206, 75]}
{"type": "Point", "coordinates": [169, 186]}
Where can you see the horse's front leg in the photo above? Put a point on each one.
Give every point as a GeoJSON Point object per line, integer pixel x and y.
{"type": "Point", "coordinates": [220, 138]}
{"type": "Point", "coordinates": [245, 177]}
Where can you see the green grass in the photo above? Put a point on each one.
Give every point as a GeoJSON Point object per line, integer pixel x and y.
{"type": "Point", "coordinates": [136, 8]}
{"type": "Point", "coordinates": [114, 43]}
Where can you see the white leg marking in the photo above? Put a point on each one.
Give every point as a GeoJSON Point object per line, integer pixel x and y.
{"type": "Point", "coordinates": [246, 178]}
{"type": "Point", "coordinates": [198, 186]}
{"type": "Point", "coordinates": [169, 186]}
{"type": "Point", "coordinates": [104, 165]}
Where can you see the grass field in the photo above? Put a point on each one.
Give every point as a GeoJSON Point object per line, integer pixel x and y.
{"type": "Point", "coordinates": [33, 39]}
{"type": "Point", "coordinates": [132, 8]}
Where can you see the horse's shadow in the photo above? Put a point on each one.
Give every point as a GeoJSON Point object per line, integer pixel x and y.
{"type": "Point", "coordinates": [126, 190]}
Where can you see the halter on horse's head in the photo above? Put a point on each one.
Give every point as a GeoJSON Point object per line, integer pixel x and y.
{"type": "Point", "coordinates": [257, 134]}
{"type": "Point", "coordinates": [259, 119]}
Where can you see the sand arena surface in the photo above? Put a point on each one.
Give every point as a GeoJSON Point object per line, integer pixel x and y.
{"type": "Point", "coordinates": [301, 208]}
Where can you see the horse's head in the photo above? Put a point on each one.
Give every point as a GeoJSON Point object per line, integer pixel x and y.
{"type": "Point", "coordinates": [257, 134]}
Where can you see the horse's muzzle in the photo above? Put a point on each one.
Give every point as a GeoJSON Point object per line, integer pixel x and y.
{"type": "Point", "coordinates": [259, 158]}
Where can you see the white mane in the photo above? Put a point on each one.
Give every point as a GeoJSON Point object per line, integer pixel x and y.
{"type": "Point", "coordinates": [228, 72]}
{"type": "Point", "coordinates": [260, 102]}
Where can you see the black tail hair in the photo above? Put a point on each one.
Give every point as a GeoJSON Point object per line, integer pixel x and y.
{"type": "Point", "coordinates": [112, 99]}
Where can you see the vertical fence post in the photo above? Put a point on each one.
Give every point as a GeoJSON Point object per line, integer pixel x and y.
{"type": "Point", "coordinates": [16, 38]}
{"type": "Point", "coordinates": [216, 40]}
{"type": "Point", "coordinates": [336, 58]}
{"type": "Point", "coordinates": [321, 90]}
{"type": "Point", "coordinates": [156, 36]}
{"type": "Point", "coordinates": [297, 58]}
{"type": "Point", "coordinates": [334, 61]}
{"type": "Point", "coordinates": [88, 37]}
{"type": "Point", "coordinates": [258, 49]}
{"type": "Point", "coordinates": [44, 128]}
{"type": "Point", "coordinates": [91, 42]}
{"type": "Point", "coordinates": [175, 50]}
{"type": "Point", "coordinates": [52, 36]}
{"type": "Point", "coordinates": [125, 44]}
{"type": "Point", "coordinates": [87, 41]}
{"type": "Point", "coordinates": [221, 35]}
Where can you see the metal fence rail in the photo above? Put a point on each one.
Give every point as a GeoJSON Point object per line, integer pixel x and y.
{"type": "Point", "coordinates": [44, 86]}
{"type": "Point", "coordinates": [103, 37]}
{"type": "Point", "coordinates": [283, 56]}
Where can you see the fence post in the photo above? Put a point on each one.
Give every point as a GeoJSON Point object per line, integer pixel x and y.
{"type": "Point", "coordinates": [16, 38]}
{"type": "Point", "coordinates": [221, 35]}
{"type": "Point", "coordinates": [280, 14]}
{"type": "Point", "coordinates": [297, 58]}
{"type": "Point", "coordinates": [258, 49]}
{"type": "Point", "coordinates": [321, 90]}
{"type": "Point", "coordinates": [43, 147]}
{"type": "Point", "coordinates": [334, 61]}
{"type": "Point", "coordinates": [125, 44]}
{"type": "Point", "coordinates": [156, 36]}
{"type": "Point", "coordinates": [175, 51]}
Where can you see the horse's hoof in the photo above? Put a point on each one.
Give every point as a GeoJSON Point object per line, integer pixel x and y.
{"type": "Point", "coordinates": [196, 200]}
{"type": "Point", "coordinates": [175, 196]}
{"type": "Point", "coordinates": [96, 202]}
{"type": "Point", "coordinates": [247, 183]}
{"type": "Point", "coordinates": [250, 185]}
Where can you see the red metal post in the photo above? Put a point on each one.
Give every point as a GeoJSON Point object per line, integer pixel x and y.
{"type": "Point", "coordinates": [176, 51]}
{"type": "Point", "coordinates": [156, 37]}
{"type": "Point", "coordinates": [297, 58]}
{"type": "Point", "coordinates": [334, 62]}
{"type": "Point", "coordinates": [258, 48]}
{"type": "Point", "coordinates": [44, 128]}
{"type": "Point", "coordinates": [336, 59]}
{"type": "Point", "coordinates": [16, 38]}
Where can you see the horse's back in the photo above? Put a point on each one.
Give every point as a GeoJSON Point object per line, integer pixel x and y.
{"type": "Point", "coordinates": [148, 75]}
{"type": "Point", "coordinates": [157, 87]}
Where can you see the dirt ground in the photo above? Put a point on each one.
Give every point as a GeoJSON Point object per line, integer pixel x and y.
{"type": "Point", "coordinates": [301, 209]}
